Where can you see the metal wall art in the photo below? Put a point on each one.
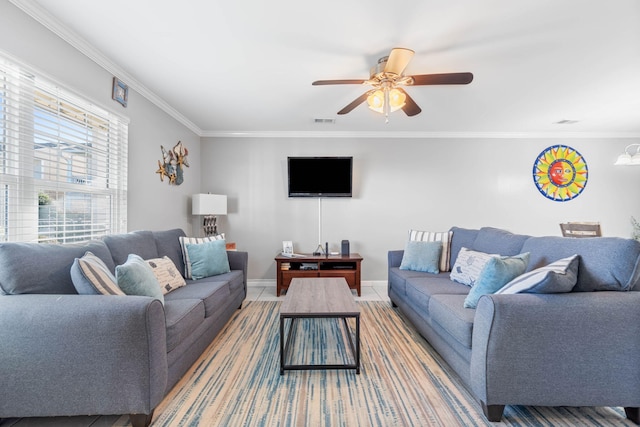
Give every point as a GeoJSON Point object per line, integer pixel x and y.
{"type": "Point", "coordinates": [172, 164]}
{"type": "Point", "coordinates": [560, 173]}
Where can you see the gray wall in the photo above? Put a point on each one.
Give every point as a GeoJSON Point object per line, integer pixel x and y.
{"type": "Point", "coordinates": [399, 183]}
{"type": "Point", "coordinates": [151, 204]}
{"type": "Point", "coordinates": [428, 184]}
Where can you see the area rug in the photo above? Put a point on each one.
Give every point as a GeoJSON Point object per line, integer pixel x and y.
{"type": "Point", "coordinates": [403, 382]}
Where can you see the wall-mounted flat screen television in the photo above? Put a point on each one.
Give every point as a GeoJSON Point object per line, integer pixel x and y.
{"type": "Point", "coordinates": [320, 176]}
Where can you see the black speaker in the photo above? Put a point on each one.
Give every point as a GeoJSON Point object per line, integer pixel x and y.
{"type": "Point", "coordinates": [345, 248]}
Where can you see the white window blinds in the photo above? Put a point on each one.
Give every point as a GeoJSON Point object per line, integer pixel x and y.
{"type": "Point", "coordinates": [63, 162]}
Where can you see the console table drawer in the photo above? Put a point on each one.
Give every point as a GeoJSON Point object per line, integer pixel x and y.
{"type": "Point", "coordinates": [288, 275]}
{"type": "Point", "coordinates": [349, 276]}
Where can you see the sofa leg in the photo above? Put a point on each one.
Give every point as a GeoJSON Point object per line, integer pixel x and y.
{"type": "Point", "coordinates": [633, 414]}
{"type": "Point", "coordinates": [240, 306]}
{"type": "Point", "coordinates": [493, 413]}
{"type": "Point", "coordinates": [141, 420]}
{"type": "Point", "coordinates": [394, 305]}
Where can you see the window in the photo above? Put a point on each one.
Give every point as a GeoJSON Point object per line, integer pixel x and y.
{"type": "Point", "coordinates": [63, 162]}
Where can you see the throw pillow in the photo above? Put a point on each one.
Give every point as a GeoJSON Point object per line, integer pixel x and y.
{"type": "Point", "coordinates": [167, 274]}
{"type": "Point", "coordinates": [135, 277]}
{"type": "Point", "coordinates": [439, 236]}
{"type": "Point", "coordinates": [421, 256]}
{"type": "Point", "coordinates": [468, 266]}
{"type": "Point", "coordinates": [208, 259]}
{"type": "Point", "coordinates": [557, 277]}
{"type": "Point", "coordinates": [91, 276]}
{"type": "Point", "coordinates": [193, 240]}
{"type": "Point", "coordinates": [496, 273]}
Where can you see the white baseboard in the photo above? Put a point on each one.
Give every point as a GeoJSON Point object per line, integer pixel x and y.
{"type": "Point", "coordinates": [265, 283]}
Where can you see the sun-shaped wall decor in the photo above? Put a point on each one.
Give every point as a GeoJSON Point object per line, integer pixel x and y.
{"type": "Point", "coordinates": [560, 173]}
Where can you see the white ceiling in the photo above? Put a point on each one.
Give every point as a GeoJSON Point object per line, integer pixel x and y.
{"type": "Point", "coordinates": [245, 67]}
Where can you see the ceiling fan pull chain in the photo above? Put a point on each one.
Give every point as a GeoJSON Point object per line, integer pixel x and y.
{"type": "Point", "coordinates": [386, 105]}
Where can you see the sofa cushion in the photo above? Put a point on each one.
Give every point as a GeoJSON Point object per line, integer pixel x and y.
{"type": "Point", "coordinates": [184, 241]}
{"type": "Point", "coordinates": [166, 273]}
{"type": "Point", "coordinates": [606, 263]}
{"type": "Point", "coordinates": [207, 259]}
{"type": "Point", "coordinates": [397, 278]}
{"type": "Point", "coordinates": [448, 312]}
{"type": "Point", "coordinates": [461, 238]}
{"type": "Point", "coordinates": [183, 316]}
{"type": "Point", "coordinates": [141, 243]}
{"type": "Point", "coordinates": [557, 277]}
{"type": "Point", "coordinates": [497, 272]}
{"type": "Point", "coordinates": [135, 277]}
{"type": "Point", "coordinates": [212, 293]}
{"type": "Point", "coordinates": [91, 276]}
{"type": "Point", "coordinates": [39, 268]}
{"type": "Point", "coordinates": [168, 244]}
{"type": "Point", "coordinates": [422, 256]}
{"type": "Point", "coordinates": [497, 241]}
{"type": "Point", "coordinates": [421, 289]}
{"type": "Point", "coordinates": [468, 266]}
{"type": "Point", "coordinates": [439, 236]}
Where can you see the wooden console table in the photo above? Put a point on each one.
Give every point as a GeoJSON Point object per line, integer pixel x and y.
{"type": "Point", "coordinates": [307, 265]}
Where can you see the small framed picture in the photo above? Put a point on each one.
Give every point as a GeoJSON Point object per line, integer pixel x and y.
{"type": "Point", "coordinates": [120, 92]}
{"type": "Point", "coordinates": [287, 247]}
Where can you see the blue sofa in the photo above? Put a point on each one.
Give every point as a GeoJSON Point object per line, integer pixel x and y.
{"type": "Point", "coordinates": [64, 354]}
{"type": "Point", "coordinates": [580, 348]}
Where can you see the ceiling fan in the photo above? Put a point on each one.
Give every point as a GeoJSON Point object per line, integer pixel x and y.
{"type": "Point", "coordinates": [387, 81]}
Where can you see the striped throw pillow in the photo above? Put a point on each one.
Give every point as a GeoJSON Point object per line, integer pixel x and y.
{"type": "Point", "coordinates": [90, 276]}
{"type": "Point", "coordinates": [184, 241]}
{"type": "Point", "coordinates": [438, 236]}
{"type": "Point", "coordinates": [558, 277]}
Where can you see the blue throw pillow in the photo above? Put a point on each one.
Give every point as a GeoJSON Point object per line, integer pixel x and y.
{"type": "Point", "coordinates": [135, 277]}
{"type": "Point", "coordinates": [497, 272]}
{"type": "Point", "coordinates": [421, 256]}
{"type": "Point", "coordinates": [557, 277]}
{"type": "Point", "coordinates": [208, 258]}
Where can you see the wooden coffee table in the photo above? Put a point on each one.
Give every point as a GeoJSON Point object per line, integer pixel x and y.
{"type": "Point", "coordinates": [316, 298]}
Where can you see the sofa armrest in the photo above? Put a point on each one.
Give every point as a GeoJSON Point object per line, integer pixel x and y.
{"type": "Point", "coordinates": [81, 354]}
{"type": "Point", "coordinates": [394, 258]}
{"type": "Point", "coordinates": [239, 260]}
{"type": "Point", "coordinates": [573, 349]}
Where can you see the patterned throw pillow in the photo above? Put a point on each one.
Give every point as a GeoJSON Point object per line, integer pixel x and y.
{"type": "Point", "coordinates": [194, 241]}
{"type": "Point", "coordinates": [437, 236]}
{"type": "Point", "coordinates": [557, 277]}
{"type": "Point", "coordinates": [468, 266]}
{"type": "Point", "coordinates": [90, 276]}
{"type": "Point", "coordinates": [167, 274]}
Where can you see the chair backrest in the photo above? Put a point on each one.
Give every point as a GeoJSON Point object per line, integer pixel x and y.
{"type": "Point", "coordinates": [581, 229]}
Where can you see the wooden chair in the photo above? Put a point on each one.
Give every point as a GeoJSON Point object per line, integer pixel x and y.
{"type": "Point", "coordinates": [581, 229]}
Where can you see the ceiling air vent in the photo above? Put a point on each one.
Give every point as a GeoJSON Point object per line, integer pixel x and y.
{"type": "Point", "coordinates": [325, 121]}
{"type": "Point", "coordinates": [565, 122]}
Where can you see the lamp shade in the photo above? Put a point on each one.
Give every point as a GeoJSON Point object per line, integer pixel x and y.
{"type": "Point", "coordinates": [208, 204]}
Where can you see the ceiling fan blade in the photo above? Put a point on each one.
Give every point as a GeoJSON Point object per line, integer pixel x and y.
{"type": "Point", "coordinates": [410, 107]}
{"type": "Point", "coordinates": [442, 79]}
{"type": "Point", "coordinates": [359, 100]}
{"type": "Point", "coordinates": [338, 82]}
{"type": "Point", "coordinates": [398, 60]}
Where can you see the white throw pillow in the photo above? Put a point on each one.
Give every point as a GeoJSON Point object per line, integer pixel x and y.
{"type": "Point", "coordinates": [436, 236]}
{"type": "Point", "coordinates": [468, 266]}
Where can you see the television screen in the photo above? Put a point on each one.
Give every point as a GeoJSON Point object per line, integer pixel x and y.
{"type": "Point", "coordinates": [320, 176]}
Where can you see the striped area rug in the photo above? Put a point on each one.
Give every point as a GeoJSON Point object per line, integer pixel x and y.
{"type": "Point", "coordinates": [403, 382]}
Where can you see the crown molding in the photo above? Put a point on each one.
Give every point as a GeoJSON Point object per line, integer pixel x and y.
{"type": "Point", "coordinates": [35, 11]}
{"type": "Point", "coordinates": [421, 135]}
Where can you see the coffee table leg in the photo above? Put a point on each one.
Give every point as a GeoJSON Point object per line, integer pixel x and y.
{"type": "Point", "coordinates": [357, 344]}
{"type": "Point", "coordinates": [281, 345]}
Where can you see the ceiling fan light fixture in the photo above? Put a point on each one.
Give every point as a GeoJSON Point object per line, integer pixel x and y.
{"type": "Point", "coordinates": [379, 99]}
{"type": "Point", "coordinates": [375, 100]}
